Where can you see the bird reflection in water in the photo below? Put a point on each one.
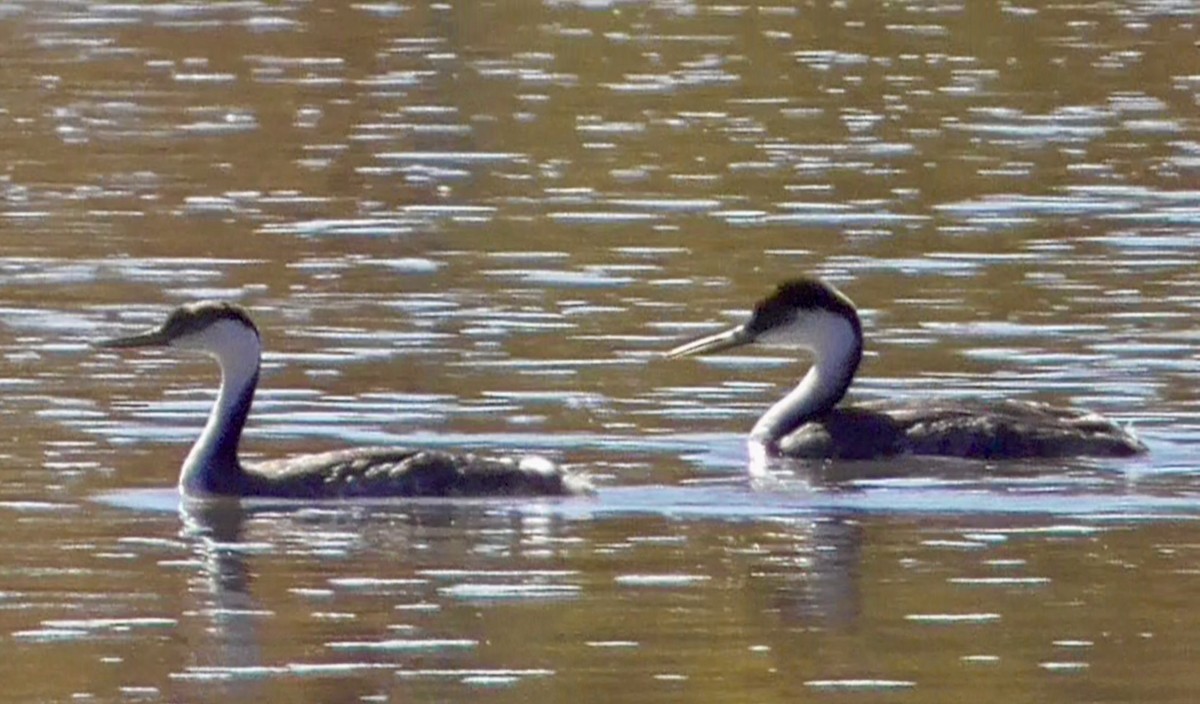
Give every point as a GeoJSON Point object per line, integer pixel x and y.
{"type": "Point", "coordinates": [222, 592]}
{"type": "Point", "coordinates": [812, 576]}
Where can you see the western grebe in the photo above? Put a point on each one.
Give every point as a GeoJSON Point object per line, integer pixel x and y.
{"type": "Point", "coordinates": [813, 315]}
{"type": "Point", "coordinates": [212, 468]}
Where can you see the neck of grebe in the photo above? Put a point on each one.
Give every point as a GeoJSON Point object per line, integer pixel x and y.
{"type": "Point", "coordinates": [212, 466]}
{"type": "Point", "coordinates": [836, 345]}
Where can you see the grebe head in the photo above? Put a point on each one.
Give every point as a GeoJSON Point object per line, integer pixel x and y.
{"type": "Point", "coordinates": [225, 332]}
{"type": "Point", "coordinates": [220, 329]}
{"type": "Point", "coordinates": [804, 312]}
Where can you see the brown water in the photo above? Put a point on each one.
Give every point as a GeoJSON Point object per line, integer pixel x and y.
{"type": "Point", "coordinates": [473, 225]}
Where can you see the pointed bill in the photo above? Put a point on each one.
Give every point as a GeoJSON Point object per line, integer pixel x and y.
{"type": "Point", "coordinates": [153, 338]}
{"type": "Point", "coordinates": [734, 337]}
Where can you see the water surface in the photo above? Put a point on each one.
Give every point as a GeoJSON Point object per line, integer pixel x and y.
{"type": "Point", "coordinates": [472, 225]}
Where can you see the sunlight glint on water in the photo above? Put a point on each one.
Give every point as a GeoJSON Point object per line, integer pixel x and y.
{"type": "Point", "coordinates": [474, 226]}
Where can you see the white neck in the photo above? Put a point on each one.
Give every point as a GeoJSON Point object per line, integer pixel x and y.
{"type": "Point", "coordinates": [836, 345]}
{"type": "Point", "coordinates": [212, 466]}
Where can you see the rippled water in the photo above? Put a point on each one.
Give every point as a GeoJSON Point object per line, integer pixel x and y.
{"type": "Point", "coordinates": [465, 225]}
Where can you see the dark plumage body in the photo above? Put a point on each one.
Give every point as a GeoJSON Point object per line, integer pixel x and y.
{"type": "Point", "coordinates": [1003, 429]}
{"type": "Point", "coordinates": [386, 471]}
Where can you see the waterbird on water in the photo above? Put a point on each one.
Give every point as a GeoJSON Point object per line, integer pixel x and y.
{"type": "Point", "coordinates": [807, 422]}
{"type": "Point", "coordinates": [225, 332]}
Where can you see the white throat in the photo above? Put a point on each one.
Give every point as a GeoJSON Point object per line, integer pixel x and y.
{"type": "Point", "coordinates": [836, 346]}
{"type": "Point", "coordinates": [237, 350]}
